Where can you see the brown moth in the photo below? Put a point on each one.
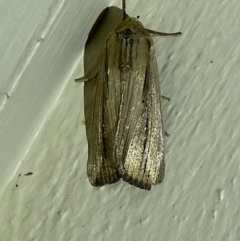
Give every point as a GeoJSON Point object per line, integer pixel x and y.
{"type": "Point", "coordinates": [127, 138]}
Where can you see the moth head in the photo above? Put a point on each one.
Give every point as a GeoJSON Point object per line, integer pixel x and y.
{"type": "Point", "coordinates": [131, 26]}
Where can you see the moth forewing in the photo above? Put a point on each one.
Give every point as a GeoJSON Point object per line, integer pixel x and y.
{"type": "Point", "coordinates": [101, 168]}
{"type": "Point", "coordinates": [139, 147]}
{"type": "Point", "coordinates": [126, 136]}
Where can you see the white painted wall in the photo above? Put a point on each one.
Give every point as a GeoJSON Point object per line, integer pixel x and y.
{"type": "Point", "coordinates": [42, 130]}
{"type": "Point", "coordinates": [41, 42]}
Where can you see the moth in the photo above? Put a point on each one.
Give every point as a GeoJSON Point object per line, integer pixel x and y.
{"type": "Point", "coordinates": [127, 138]}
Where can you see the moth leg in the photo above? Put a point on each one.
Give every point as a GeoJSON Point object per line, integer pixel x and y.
{"type": "Point", "coordinates": [84, 79]}
{"type": "Point", "coordinates": [166, 98]}
{"type": "Point", "coordinates": [166, 134]}
{"type": "Point", "coordinates": [163, 34]}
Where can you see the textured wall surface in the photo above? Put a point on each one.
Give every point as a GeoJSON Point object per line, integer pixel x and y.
{"type": "Point", "coordinates": [199, 71]}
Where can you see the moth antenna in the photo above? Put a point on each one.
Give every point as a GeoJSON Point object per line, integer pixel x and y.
{"type": "Point", "coordinates": [124, 9]}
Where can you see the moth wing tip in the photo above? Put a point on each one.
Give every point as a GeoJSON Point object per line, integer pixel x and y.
{"type": "Point", "coordinates": [101, 179]}
{"type": "Point", "coordinates": [137, 183]}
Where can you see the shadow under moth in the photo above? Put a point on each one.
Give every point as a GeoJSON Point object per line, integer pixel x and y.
{"type": "Point", "coordinates": [127, 137]}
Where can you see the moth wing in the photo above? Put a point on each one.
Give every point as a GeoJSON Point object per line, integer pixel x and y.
{"type": "Point", "coordinates": [101, 168]}
{"type": "Point", "coordinates": [139, 147]}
